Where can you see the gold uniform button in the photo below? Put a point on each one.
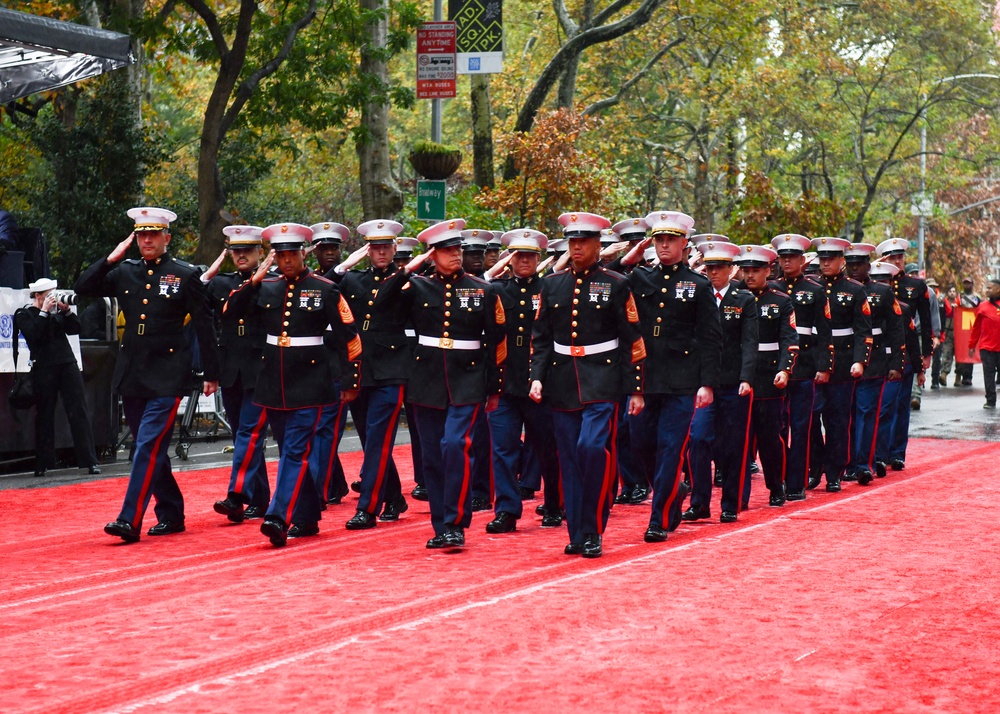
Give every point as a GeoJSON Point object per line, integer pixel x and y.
{"type": "Point", "coordinates": [447, 295]}
{"type": "Point", "coordinates": [241, 321]}
{"type": "Point", "coordinates": [142, 317]}
{"type": "Point", "coordinates": [445, 334]}
{"type": "Point", "coordinates": [575, 312]}
{"type": "Point", "coordinates": [524, 290]}
{"type": "Point", "coordinates": [287, 313]}
{"type": "Point", "coordinates": [147, 286]}
{"type": "Point", "coordinates": [573, 335]}
{"type": "Point", "coordinates": [149, 272]}
{"type": "Point", "coordinates": [285, 323]}
{"type": "Point", "coordinates": [447, 286]}
{"type": "Point", "coordinates": [522, 302]}
{"type": "Point", "coordinates": [579, 281]}
{"type": "Point", "coordinates": [377, 278]}
{"type": "Point", "coordinates": [171, 349]}
{"type": "Point", "coordinates": [661, 304]}
{"type": "Point", "coordinates": [521, 316]}
{"type": "Point", "coordinates": [576, 291]}
{"type": "Point", "coordinates": [447, 303]}
{"type": "Point", "coordinates": [575, 301]}
{"type": "Point", "coordinates": [573, 324]}
{"type": "Point", "coordinates": [284, 334]}
{"type": "Point", "coordinates": [145, 301]}
{"type": "Point", "coordinates": [288, 304]}
{"type": "Point", "coordinates": [447, 324]}
{"type": "Point", "coordinates": [368, 317]}
{"type": "Point", "coordinates": [371, 302]}
{"type": "Point", "coordinates": [521, 328]}
{"type": "Point", "coordinates": [663, 290]}
{"type": "Point", "coordinates": [659, 319]}
{"type": "Point", "coordinates": [447, 313]}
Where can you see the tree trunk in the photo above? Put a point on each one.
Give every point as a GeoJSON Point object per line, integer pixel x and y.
{"type": "Point", "coordinates": [567, 84]}
{"type": "Point", "coordinates": [482, 131]}
{"type": "Point", "coordinates": [380, 195]}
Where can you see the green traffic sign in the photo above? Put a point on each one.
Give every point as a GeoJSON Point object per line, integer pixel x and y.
{"type": "Point", "coordinates": [430, 200]}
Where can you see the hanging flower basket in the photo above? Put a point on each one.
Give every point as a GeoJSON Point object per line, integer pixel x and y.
{"type": "Point", "coordinates": [435, 161]}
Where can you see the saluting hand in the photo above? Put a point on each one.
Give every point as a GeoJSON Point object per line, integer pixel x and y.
{"type": "Point", "coordinates": [499, 266]}
{"type": "Point", "coordinates": [353, 259]}
{"type": "Point", "coordinates": [119, 252]}
{"type": "Point", "coordinates": [544, 264]}
{"type": "Point", "coordinates": [634, 256]}
{"type": "Point", "coordinates": [614, 249]}
{"type": "Point", "coordinates": [213, 269]}
{"type": "Point", "coordinates": [418, 261]}
{"type": "Point", "coordinates": [258, 277]}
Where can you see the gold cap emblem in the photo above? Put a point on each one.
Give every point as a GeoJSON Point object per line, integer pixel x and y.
{"type": "Point", "coordinates": [284, 229]}
{"type": "Point", "coordinates": [380, 225]}
{"type": "Point", "coordinates": [451, 225]}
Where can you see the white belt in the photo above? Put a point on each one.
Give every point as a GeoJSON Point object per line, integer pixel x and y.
{"type": "Point", "coordinates": [294, 341]}
{"type": "Point", "coordinates": [888, 350]}
{"type": "Point", "coordinates": [876, 330]}
{"type": "Point", "coordinates": [446, 343]}
{"type": "Point", "coordinates": [410, 333]}
{"type": "Point", "coordinates": [842, 332]}
{"type": "Point", "coordinates": [582, 350]}
{"type": "Point", "coordinates": [769, 347]}
{"type": "Point", "coordinates": [802, 330]}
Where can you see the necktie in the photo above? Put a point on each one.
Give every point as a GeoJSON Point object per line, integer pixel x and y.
{"type": "Point", "coordinates": [718, 298]}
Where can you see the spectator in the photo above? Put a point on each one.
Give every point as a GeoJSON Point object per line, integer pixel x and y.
{"type": "Point", "coordinates": [947, 349]}
{"type": "Point", "coordinates": [917, 391]}
{"type": "Point", "coordinates": [968, 299]}
{"type": "Point", "coordinates": [45, 324]}
{"type": "Point", "coordinates": [986, 334]}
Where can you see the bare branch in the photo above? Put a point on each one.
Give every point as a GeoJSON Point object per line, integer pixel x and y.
{"type": "Point", "coordinates": [611, 101]}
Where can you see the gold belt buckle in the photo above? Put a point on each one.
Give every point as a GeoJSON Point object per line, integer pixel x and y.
{"type": "Point", "coordinates": [577, 351]}
{"type": "Point", "coordinates": [520, 341]}
{"type": "Point", "coordinates": [142, 328]}
{"type": "Point", "coordinates": [364, 327]}
{"type": "Point", "coordinates": [241, 330]}
{"type": "Point", "coordinates": [284, 341]}
{"type": "Point", "coordinates": [446, 343]}
{"type": "Point", "coordinates": [656, 330]}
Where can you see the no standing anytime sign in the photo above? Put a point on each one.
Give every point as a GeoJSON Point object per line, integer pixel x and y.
{"type": "Point", "coordinates": [436, 60]}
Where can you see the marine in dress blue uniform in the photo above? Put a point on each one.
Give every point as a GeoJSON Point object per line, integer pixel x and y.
{"type": "Point", "coordinates": [914, 293]}
{"type": "Point", "coordinates": [153, 370]}
{"type": "Point", "coordinates": [851, 332]}
{"type": "Point", "coordinates": [587, 351]}
{"type": "Point", "coordinates": [682, 333]}
{"type": "Point", "coordinates": [719, 431]}
{"type": "Point", "coordinates": [778, 348]}
{"type": "Point", "coordinates": [457, 368]}
{"type": "Point", "coordinates": [521, 294]}
{"type": "Point", "coordinates": [886, 364]}
{"type": "Point", "coordinates": [375, 297]}
{"type": "Point", "coordinates": [241, 345]}
{"type": "Point", "coordinates": [404, 253]}
{"type": "Point", "coordinates": [311, 343]}
{"type": "Point", "coordinates": [814, 360]}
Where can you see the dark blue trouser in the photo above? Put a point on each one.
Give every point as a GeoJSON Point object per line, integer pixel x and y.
{"type": "Point", "coordinates": [899, 417]}
{"type": "Point", "coordinates": [324, 462]}
{"type": "Point", "coordinates": [415, 453]}
{"type": "Point", "coordinates": [232, 404]}
{"type": "Point", "coordinates": [629, 467]}
{"type": "Point", "coordinates": [531, 468]}
{"type": "Point", "coordinates": [248, 479]}
{"type": "Point", "coordinates": [585, 464]}
{"type": "Point", "coordinates": [817, 445]}
{"type": "Point", "coordinates": [506, 422]}
{"type": "Point", "coordinates": [765, 431]}
{"type": "Point", "coordinates": [701, 450]}
{"type": "Point", "coordinates": [659, 434]}
{"type": "Point", "coordinates": [886, 413]}
{"type": "Point", "coordinates": [838, 410]}
{"type": "Point", "coordinates": [296, 498]}
{"type": "Point", "coordinates": [151, 422]}
{"type": "Point", "coordinates": [867, 407]}
{"type": "Point", "coordinates": [482, 473]}
{"type": "Point", "coordinates": [799, 397]}
{"type": "Point", "coordinates": [728, 415]}
{"type": "Point", "coordinates": [376, 415]}
{"type": "Point", "coordinates": [449, 460]}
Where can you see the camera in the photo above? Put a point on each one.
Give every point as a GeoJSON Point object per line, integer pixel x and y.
{"type": "Point", "coordinates": [68, 298]}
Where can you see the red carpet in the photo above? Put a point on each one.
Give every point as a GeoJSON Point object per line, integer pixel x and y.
{"type": "Point", "coordinates": [876, 599]}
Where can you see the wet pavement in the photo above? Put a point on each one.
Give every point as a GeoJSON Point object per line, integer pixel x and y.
{"type": "Point", "coordinates": [945, 413]}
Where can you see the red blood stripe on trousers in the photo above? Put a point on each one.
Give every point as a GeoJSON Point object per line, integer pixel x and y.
{"type": "Point", "coordinates": [151, 466]}
{"type": "Point", "coordinates": [303, 470]}
{"type": "Point", "coordinates": [665, 516]}
{"type": "Point", "coordinates": [384, 456]}
{"type": "Point", "coordinates": [609, 468]}
{"type": "Point", "coordinates": [467, 467]}
{"type": "Point", "coordinates": [241, 472]}
{"type": "Point", "coordinates": [334, 448]}
{"type": "Point", "coordinates": [746, 448]}
{"type": "Point", "coordinates": [878, 412]}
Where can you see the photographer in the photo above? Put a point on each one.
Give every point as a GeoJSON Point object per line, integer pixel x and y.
{"type": "Point", "coordinates": [45, 324]}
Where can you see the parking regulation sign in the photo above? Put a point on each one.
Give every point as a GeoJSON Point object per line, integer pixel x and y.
{"type": "Point", "coordinates": [436, 60]}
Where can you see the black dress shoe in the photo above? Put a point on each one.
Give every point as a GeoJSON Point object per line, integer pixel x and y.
{"type": "Point", "coordinates": [849, 476]}
{"type": "Point", "coordinates": [255, 512]}
{"type": "Point", "coordinates": [864, 477]}
{"type": "Point", "coordinates": [338, 495]}
{"type": "Point", "coordinates": [833, 486]}
{"type": "Point", "coordinates": [796, 495]}
{"type": "Point", "coordinates": [303, 530]}
{"type": "Point", "coordinates": [392, 509]}
{"type": "Point", "coordinates": [419, 493]}
{"type": "Point", "coordinates": [897, 465]}
{"type": "Point", "coordinates": [362, 520]}
{"type": "Point", "coordinates": [94, 470]}
{"type": "Point", "coordinates": [694, 514]}
{"type": "Point", "coordinates": [356, 486]}
{"type": "Point", "coordinates": [655, 534]}
{"type": "Point", "coordinates": [39, 473]}
{"type": "Point", "coordinates": [437, 542]}
{"type": "Point", "coordinates": [123, 530]}
{"type": "Point", "coordinates": [777, 498]}
{"type": "Point", "coordinates": [230, 508]}
{"type": "Point", "coordinates": [880, 469]}
{"type": "Point", "coordinates": [813, 482]}
{"type": "Point", "coordinates": [592, 547]}
{"type": "Point", "coordinates": [540, 510]}
{"type": "Point", "coordinates": [275, 530]}
{"type": "Point", "coordinates": [625, 496]}
{"type": "Point", "coordinates": [573, 549]}
{"type": "Point", "coordinates": [717, 480]}
{"type": "Point", "coordinates": [551, 520]}
{"type": "Point", "coordinates": [727, 517]}
{"type": "Point", "coordinates": [754, 468]}
{"type": "Point", "coordinates": [639, 495]}
{"type": "Point", "coordinates": [745, 506]}
{"type": "Point", "coordinates": [166, 528]}
{"type": "Point", "coordinates": [526, 493]}
{"type": "Point", "coordinates": [481, 504]}
{"type": "Point", "coordinates": [454, 538]}
{"type": "Point", "coordinates": [503, 523]}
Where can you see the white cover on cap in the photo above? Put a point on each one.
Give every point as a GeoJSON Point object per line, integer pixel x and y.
{"type": "Point", "coordinates": [330, 229]}
{"type": "Point", "coordinates": [791, 241]}
{"type": "Point", "coordinates": [440, 232]}
{"type": "Point", "coordinates": [42, 285]}
{"type": "Point", "coordinates": [630, 226]}
{"type": "Point", "coordinates": [700, 238]}
{"type": "Point", "coordinates": [243, 235]}
{"type": "Point", "coordinates": [893, 245]}
{"type": "Point", "coordinates": [885, 269]}
{"type": "Point", "coordinates": [860, 250]}
{"type": "Point", "coordinates": [828, 244]}
{"type": "Point", "coordinates": [526, 239]}
{"type": "Point", "coordinates": [558, 246]}
{"type": "Point", "coordinates": [150, 216]}
{"type": "Point", "coordinates": [284, 236]}
{"type": "Point", "coordinates": [590, 222]}
{"type": "Point", "coordinates": [406, 244]}
{"type": "Point", "coordinates": [673, 222]}
{"type": "Point", "coordinates": [758, 254]}
{"type": "Point", "coordinates": [476, 238]}
{"type": "Point", "coordinates": [380, 229]}
{"type": "Point", "coordinates": [715, 251]}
